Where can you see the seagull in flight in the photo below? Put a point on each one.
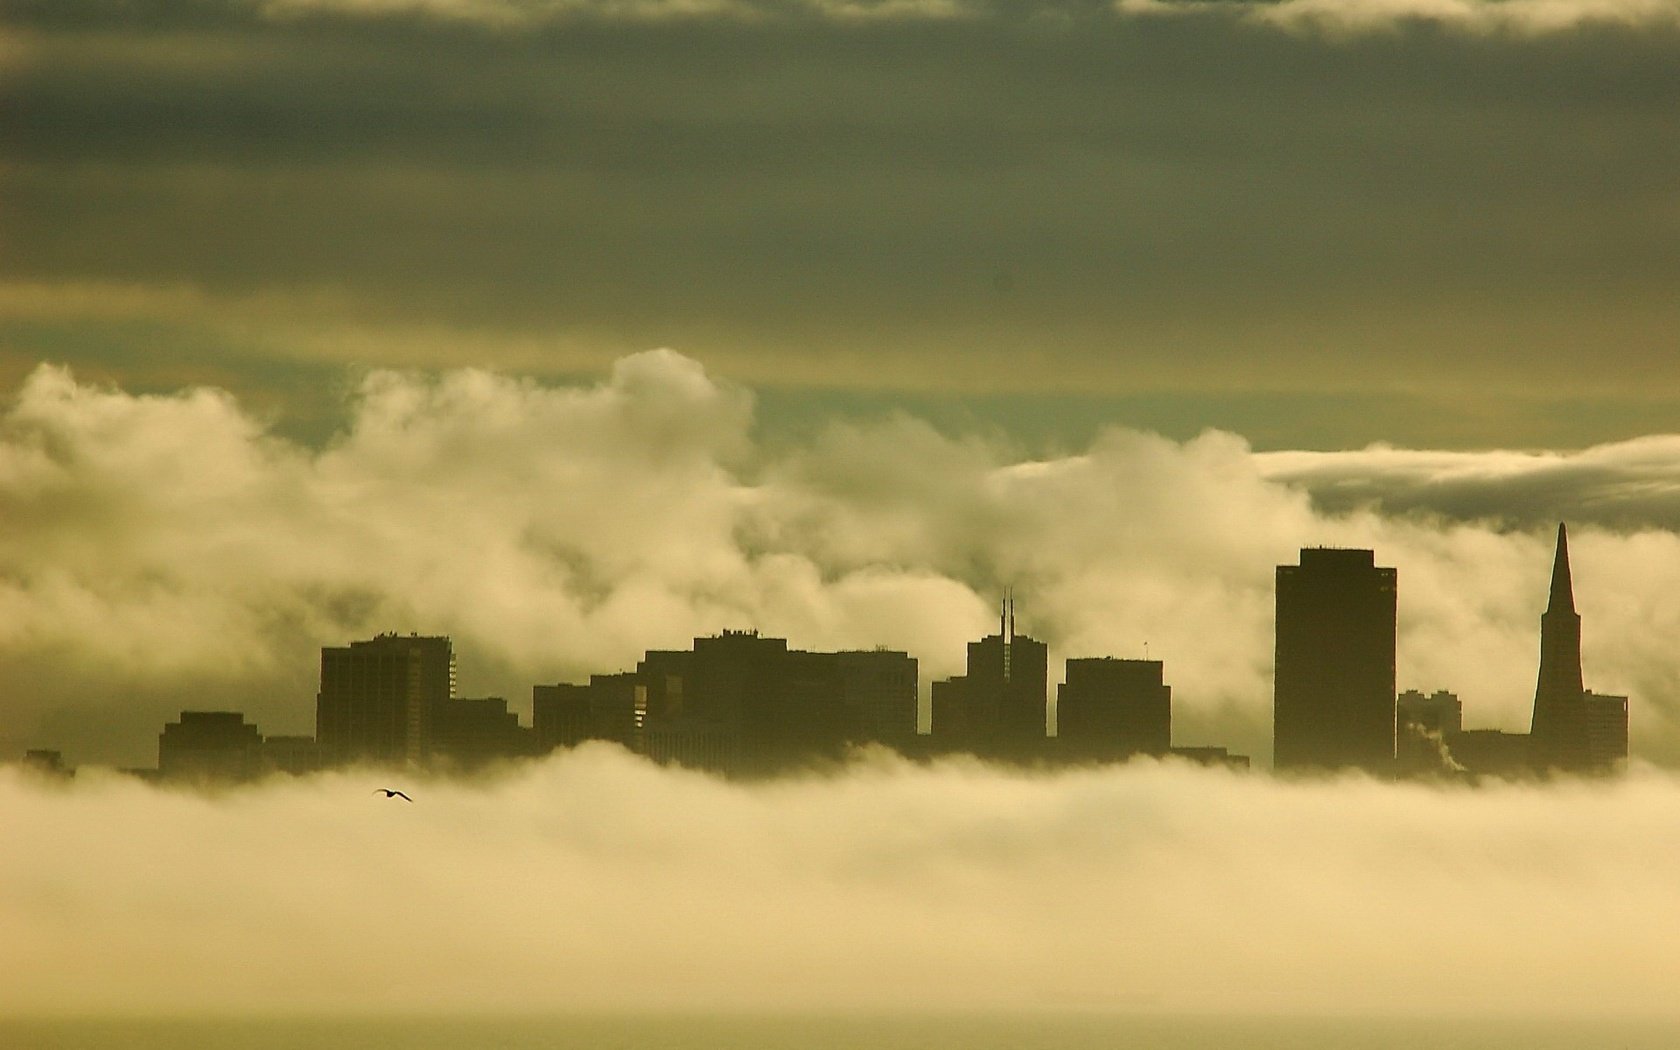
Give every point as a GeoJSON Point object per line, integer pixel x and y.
{"type": "Point", "coordinates": [392, 793]}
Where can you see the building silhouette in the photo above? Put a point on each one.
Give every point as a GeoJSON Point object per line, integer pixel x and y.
{"type": "Point", "coordinates": [750, 700]}
{"type": "Point", "coordinates": [661, 672]}
{"type": "Point", "coordinates": [999, 708]}
{"type": "Point", "coordinates": [879, 695]}
{"type": "Point", "coordinates": [611, 707]}
{"type": "Point", "coordinates": [1424, 729]}
{"type": "Point", "coordinates": [561, 716]}
{"type": "Point", "coordinates": [295, 755]}
{"type": "Point", "coordinates": [742, 703]}
{"type": "Point", "coordinates": [378, 697]}
{"type": "Point", "coordinates": [738, 702]}
{"type": "Point", "coordinates": [1440, 712]}
{"type": "Point", "coordinates": [48, 764]}
{"type": "Point", "coordinates": [1111, 709]}
{"type": "Point", "coordinates": [210, 746]}
{"type": "Point", "coordinates": [1560, 736]}
{"type": "Point", "coordinates": [1492, 753]}
{"type": "Point", "coordinates": [676, 731]}
{"type": "Point", "coordinates": [1333, 696]}
{"type": "Point", "coordinates": [470, 733]}
{"type": "Point", "coordinates": [950, 727]}
{"type": "Point", "coordinates": [737, 689]}
{"type": "Point", "coordinates": [1607, 731]}
{"type": "Point", "coordinates": [618, 708]}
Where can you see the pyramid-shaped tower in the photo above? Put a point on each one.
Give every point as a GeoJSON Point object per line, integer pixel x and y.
{"type": "Point", "coordinates": [1559, 733]}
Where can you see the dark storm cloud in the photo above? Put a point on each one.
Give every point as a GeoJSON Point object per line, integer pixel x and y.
{"type": "Point", "coordinates": [1130, 202]}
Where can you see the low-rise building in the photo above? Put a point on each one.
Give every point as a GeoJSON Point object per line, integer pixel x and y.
{"type": "Point", "coordinates": [210, 747]}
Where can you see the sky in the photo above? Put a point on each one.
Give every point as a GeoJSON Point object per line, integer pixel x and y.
{"type": "Point", "coordinates": [1316, 223]}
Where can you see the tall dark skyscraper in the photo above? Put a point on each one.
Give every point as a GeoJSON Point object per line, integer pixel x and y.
{"type": "Point", "coordinates": [378, 698]}
{"type": "Point", "coordinates": [1009, 685]}
{"type": "Point", "coordinates": [1333, 698]}
{"type": "Point", "coordinates": [1559, 737]}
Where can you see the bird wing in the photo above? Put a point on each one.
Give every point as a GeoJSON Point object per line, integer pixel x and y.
{"type": "Point", "coordinates": [402, 796]}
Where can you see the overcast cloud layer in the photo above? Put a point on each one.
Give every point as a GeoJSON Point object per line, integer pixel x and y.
{"type": "Point", "coordinates": [165, 552]}
{"type": "Point", "coordinates": [1447, 223]}
{"type": "Point", "coordinates": [597, 882]}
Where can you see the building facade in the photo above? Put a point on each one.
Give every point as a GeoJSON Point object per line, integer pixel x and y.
{"type": "Point", "coordinates": [1000, 707]}
{"type": "Point", "coordinates": [1607, 731]}
{"type": "Point", "coordinates": [1424, 728]}
{"type": "Point", "coordinates": [470, 733]}
{"type": "Point", "coordinates": [1333, 688]}
{"type": "Point", "coordinates": [1111, 709]}
{"type": "Point", "coordinates": [210, 747]}
{"type": "Point", "coordinates": [561, 716]}
{"type": "Point", "coordinates": [377, 698]}
{"type": "Point", "coordinates": [879, 694]}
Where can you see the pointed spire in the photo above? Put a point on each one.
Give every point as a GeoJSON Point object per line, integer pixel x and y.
{"type": "Point", "coordinates": [1563, 592]}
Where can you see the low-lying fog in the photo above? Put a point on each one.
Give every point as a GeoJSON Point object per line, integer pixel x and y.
{"type": "Point", "coordinates": [594, 880]}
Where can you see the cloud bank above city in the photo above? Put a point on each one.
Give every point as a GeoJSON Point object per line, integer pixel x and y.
{"type": "Point", "coordinates": [593, 881]}
{"type": "Point", "coordinates": [172, 551]}
{"type": "Point", "coordinates": [1317, 223]}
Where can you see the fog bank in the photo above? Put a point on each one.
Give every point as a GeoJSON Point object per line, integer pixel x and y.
{"type": "Point", "coordinates": [595, 881]}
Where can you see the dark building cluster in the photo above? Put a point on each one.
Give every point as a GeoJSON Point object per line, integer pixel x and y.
{"type": "Point", "coordinates": [1107, 709]}
{"type": "Point", "coordinates": [738, 703]}
{"type": "Point", "coordinates": [1334, 705]}
{"type": "Point", "coordinates": [743, 704]}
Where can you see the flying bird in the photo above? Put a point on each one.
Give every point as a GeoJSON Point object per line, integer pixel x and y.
{"type": "Point", "coordinates": [392, 793]}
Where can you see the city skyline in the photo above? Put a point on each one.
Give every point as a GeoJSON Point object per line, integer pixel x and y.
{"type": "Point", "coordinates": [425, 514]}
{"type": "Point", "coordinates": [709, 375]}
{"type": "Point", "coordinates": [564, 330]}
{"type": "Point", "coordinates": [740, 703]}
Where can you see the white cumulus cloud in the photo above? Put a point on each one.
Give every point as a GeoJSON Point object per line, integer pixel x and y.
{"type": "Point", "coordinates": [166, 552]}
